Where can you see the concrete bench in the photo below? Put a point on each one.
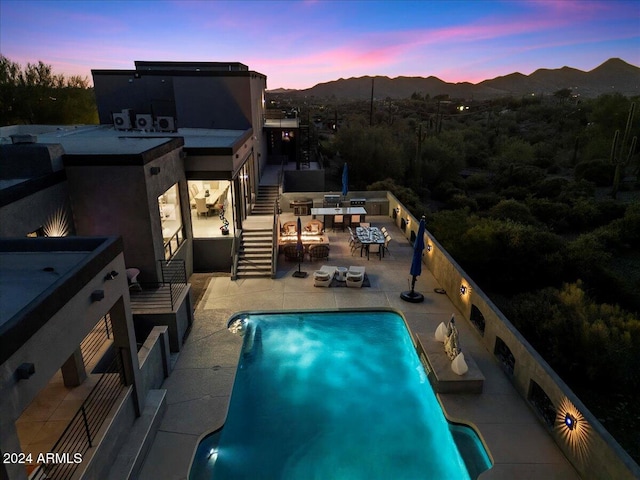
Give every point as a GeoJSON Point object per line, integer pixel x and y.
{"type": "Point", "coordinates": [438, 365]}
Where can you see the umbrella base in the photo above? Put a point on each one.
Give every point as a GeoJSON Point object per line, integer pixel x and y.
{"type": "Point", "coordinates": [300, 274]}
{"type": "Point", "coordinates": [411, 296]}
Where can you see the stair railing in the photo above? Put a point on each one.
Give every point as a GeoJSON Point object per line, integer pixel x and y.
{"type": "Point", "coordinates": [274, 238]}
{"type": "Point", "coordinates": [235, 248]}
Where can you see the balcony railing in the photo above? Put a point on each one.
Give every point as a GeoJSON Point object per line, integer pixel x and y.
{"type": "Point", "coordinates": [65, 457]}
{"type": "Point", "coordinates": [171, 246]}
{"type": "Point", "coordinates": [164, 294]}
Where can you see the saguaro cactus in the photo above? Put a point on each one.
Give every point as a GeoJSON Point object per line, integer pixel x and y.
{"type": "Point", "coordinates": [617, 156]}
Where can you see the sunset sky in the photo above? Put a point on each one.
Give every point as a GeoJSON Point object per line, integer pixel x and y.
{"type": "Point", "coordinates": [298, 44]}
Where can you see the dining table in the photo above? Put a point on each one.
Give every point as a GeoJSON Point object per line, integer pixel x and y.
{"type": "Point", "coordinates": [368, 236]}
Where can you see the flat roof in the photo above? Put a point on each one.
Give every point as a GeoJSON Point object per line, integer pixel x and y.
{"type": "Point", "coordinates": [39, 276]}
{"type": "Point", "coordinates": [106, 140]}
{"type": "Point", "coordinates": [26, 275]}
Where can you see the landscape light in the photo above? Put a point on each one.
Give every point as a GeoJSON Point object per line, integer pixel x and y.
{"type": "Point", "coordinates": [570, 421]}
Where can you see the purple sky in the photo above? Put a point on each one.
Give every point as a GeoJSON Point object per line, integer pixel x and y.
{"type": "Point", "coordinates": [298, 44]}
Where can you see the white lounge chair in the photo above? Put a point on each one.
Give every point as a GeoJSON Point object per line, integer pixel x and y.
{"type": "Point", "coordinates": [323, 276]}
{"type": "Point", "coordinates": [355, 277]}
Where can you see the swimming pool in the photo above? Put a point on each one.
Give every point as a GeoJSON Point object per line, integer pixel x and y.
{"type": "Point", "coordinates": [338, 395]}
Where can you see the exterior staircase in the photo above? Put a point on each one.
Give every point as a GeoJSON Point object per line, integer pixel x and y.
{"type": "Point", "coordinates": [255, 253]}
{"type": "Point", "coordinates": [267, 196]}
{"type": "Point", "coordinates": [256, 244]}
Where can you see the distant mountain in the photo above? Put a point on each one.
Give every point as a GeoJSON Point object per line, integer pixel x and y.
{"type": "Point", "coordinates": [614, 75]}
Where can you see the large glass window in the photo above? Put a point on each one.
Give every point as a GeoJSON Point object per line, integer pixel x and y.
{"type": "Point", "coordinates": [171, 220]}
{"type": "Point", "coordinates": [211, 211]}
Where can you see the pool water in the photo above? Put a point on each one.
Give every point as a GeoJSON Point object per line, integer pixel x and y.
{"type": "Point", "coordinates": [339, 395]}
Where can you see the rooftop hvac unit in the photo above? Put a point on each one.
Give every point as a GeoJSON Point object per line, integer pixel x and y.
{"type": "Point", "coordinates": [166, 124]}
{"type": "Point", "coordinates": [122, 121]}
{"type": "Point", "coordinates": [144, 121]}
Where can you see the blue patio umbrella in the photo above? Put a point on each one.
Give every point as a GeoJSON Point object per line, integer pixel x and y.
{"type": "Point", "coordinates": [416, 266]}
{"type": "Point", "coordinates": [345, 180]}
{"type": "Point", "coordinates": [300, 250]}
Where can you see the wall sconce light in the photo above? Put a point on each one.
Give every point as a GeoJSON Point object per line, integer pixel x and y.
{"type": "Point", "coordinates": [25, 370]}
{"type": "Point", "coordinates": [429, 247]}
{"type": "Point", "coordinates": [97, 295]}
{"type": "Point", "coordinates": [570, 421]}
{"type": "Point", "coordinates": [111, 275]}
{"type": "Point", "coordinates": [408, 220]}
{"type": "Point", "coordinates": [463, 289]}
{"type": "Point", "coordinates": [154, 170]}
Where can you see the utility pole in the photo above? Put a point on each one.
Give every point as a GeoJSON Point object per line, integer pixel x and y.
{"type": "Point", "coordinates": [371, 109]}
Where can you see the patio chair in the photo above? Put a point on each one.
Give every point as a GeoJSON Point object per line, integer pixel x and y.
{"type": "Point", "coordinates": [318, 252]}
{"type": "Point", "coordinates": [315, 227]}
{"type": "Point", "coordinates": [292, 253]}
{"type": "Point", "coordinates": [355, 220]}
{"type": "Point", "coordinates": [290, 228]}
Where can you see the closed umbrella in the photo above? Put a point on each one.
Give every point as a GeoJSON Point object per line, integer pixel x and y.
{"type": "Point", "coordinates": [416, 266]}
{"type": "Point", "coordinates": [300, 250]}
{"type": "Point", "coordinates": [345, 180]}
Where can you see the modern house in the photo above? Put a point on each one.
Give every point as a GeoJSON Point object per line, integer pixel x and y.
{"type": "Point", "coordinates": [162, 188]}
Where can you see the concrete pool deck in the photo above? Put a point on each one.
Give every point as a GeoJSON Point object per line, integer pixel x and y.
{"type": "Point", "coordinates": [199, 387]}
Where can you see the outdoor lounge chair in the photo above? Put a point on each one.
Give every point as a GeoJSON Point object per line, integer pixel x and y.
{"type": "Point", "coordinates": [355, 277]}
{"type": "Point", "coordinates": [324, 276]}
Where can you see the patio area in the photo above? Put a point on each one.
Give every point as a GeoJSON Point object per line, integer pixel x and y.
{"type": "Point", "coordinates": [199, 387]}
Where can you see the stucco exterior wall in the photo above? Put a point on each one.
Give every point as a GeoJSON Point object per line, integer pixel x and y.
{"type": "Point", "coordinates": [31, 212]}
{"type": "Point", "coordinates": [56, 340]}
{"type": "Point", "coordinates": [123, 200]}
{"type": "Point", "coordinates": [595, 454]}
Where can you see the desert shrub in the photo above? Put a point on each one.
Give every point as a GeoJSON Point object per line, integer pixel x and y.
{"type": "Point", "coordinates": [585, 342]}
{"type": "Point", "coordinates": [515, 191]}
{"type": "Point", "coordinates": [599, 172]}
{"type": "Point", "coordinates": [477, 181]}
{"type": "Point", "coordinates": [551, 187]}
{"type": "Point", "coordinates": [510, 257]}
{"type": "Point", "coordinates": [553, 214]}
{"type": "Point", "coordinates": [444, 191]}
{"type": "Point", "coordinates": [487, 200]}
{"type": "Point", "coordinates": [513, 210]}
{"type": "Point", "coordinates": [461, 201]}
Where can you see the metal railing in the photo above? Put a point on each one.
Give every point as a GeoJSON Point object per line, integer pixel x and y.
{"type": "Point", "coordinates": [94, 341]}
{"type": "Point", "coordinates": [164, 294]}
{"type": "Point", "coordinates": [65, 457]}
{"type": "Point", "coordinates": [171, 246]}
{"type": "Point", "coordinates": [274, 238]}
{"type": "Point", "coordinates": [235, 254]}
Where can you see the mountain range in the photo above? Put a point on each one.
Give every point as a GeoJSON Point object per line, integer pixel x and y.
{"type": "Point", "coordinates": [614, 75]}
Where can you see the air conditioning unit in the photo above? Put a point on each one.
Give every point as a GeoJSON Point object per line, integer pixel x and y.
{"type": "Point", "coordinates": [122, 121]}
{"type": "Point", "coordinates": [166, 124]}
{"type": "Point", "coordinates": [144, 121]}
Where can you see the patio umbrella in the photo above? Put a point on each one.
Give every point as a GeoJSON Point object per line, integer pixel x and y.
{"type": "Point", "coordinates": [416, 266]}
{"type": "Point", "coordinates": [345, 180]}
{"type": "Point", "coordinates": [300, 250]}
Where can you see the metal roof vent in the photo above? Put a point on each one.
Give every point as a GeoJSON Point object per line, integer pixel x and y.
{"type": "Point", "coordinates": [24, 138]}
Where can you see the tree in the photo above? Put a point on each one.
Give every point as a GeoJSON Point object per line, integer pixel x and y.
{"type": "Point", "coordinates": [34, 94]}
